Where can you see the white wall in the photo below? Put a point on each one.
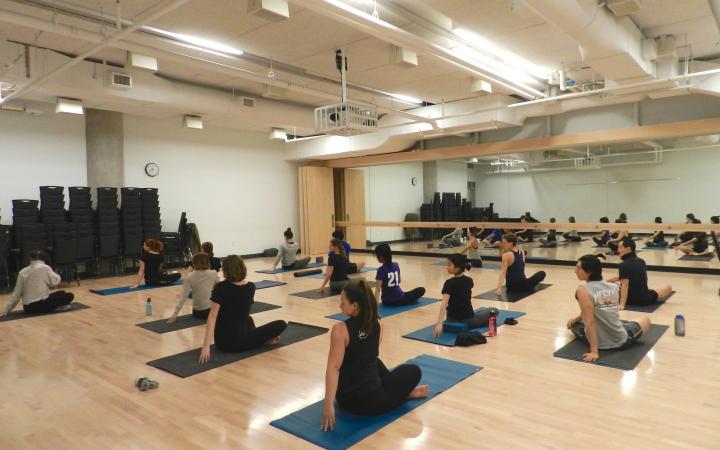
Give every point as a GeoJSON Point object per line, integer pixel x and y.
{"type": "Point", "coordinates": [44, 149]}
{"type": "Point", "coordinates": [686, 181]}
{"type": "Point", "coordinates": [233, 184]}
{"type": "Point", "coordinates": [389, 195]}
{"type": "Point", "coordinates": [452, 176]}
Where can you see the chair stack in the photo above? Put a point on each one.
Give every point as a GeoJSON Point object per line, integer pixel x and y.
{"type": "Point", "coordinates": [176, 244]}
{"type": "Point", "coordinates": [5, 233]}
{"type": "Point", "coordinates": [52, 206]}
{"type": "Point", "coordinates": [81, 215]}
{"type": "Point", "coordinates": [108, 225]}
{"type": "Point", "coordinates": [151, 224]}
{"type": "Point", "coordinates": [131, 222]}
{"type": "Point", "coordinates": [29, 232]}
{"type": "Point", "coordinates": [61, 234]}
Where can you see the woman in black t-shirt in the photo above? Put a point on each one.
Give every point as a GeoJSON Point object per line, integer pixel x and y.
{"type": "Point", "coordinates": [151, 266]}
{"type": "Point", "coordinates": [658, 237]}
{"type": "Point", "coordinates": [355, 376]}
{"type": "Point", "coordinates": [229, 321]}
{"type": "Point", "coordinates": [337, 268]}
{"type": "Point", "coordinates": [456, 302]}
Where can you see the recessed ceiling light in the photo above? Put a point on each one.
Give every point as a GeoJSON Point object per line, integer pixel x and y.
{"type": "Point", "coordinates": [193, 122]}
{"type": "Point", "coordinates": [407, 98]}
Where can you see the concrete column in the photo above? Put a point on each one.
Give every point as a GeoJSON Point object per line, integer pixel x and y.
{"type": "Point", "coordinates": [430, 180]}
{"type": "Point", "coordinates": [105, 148]}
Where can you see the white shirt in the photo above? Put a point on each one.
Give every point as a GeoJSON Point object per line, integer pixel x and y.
{"type": "Point", "coordinates": [33, 283]}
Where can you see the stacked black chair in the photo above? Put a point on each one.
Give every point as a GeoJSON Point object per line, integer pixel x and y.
{"type": "Point", "coordinates": [81, 215]}
{"type": "Point", "coordinates": [108, 226]}
{"type": "Point", "coordinates": [150, 213]}
{"type": "Point", "coordinates": [177, 250]}
{"type": "Point", "coordinates": [52, 206]}
{"type": "Point", "coordinates": [131, 223]}
{"type": "Point", "coordinates": [426, 215]}
{"type": "Point", "coordinates": [29, 233]}
{"type": "Point", "coordinates": [5, 232]}
{"type": "Point", "coordinates": [64, 246]}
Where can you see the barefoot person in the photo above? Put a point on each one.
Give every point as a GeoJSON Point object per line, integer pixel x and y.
{"type": "Point", "coordinates": [287, 254]}
{"type": "Point", "coordinates": [633, 278]}
{"type": "Point", "coordinates": [151, 266]}
{"type": "Point", "coordinates": [198, 284]}
{"type": "Point", "coordinates": [229, 322]}
{"type": "Point", "coordinates": [599, 321]}
{"type": "Point", "coordinates": [355, 377]}
{"type": "Point", "coordinates": [512, 268]}
{"type": "Point", "coordinates": [33, 288]}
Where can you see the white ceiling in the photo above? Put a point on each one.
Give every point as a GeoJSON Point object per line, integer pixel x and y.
{"type": "Point", "coordinates": [308, 41]}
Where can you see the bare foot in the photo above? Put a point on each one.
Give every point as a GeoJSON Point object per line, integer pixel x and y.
{"type": "Point", "coordinates": [275, 340]}
{"type": "Point", "coordinates": [420, 392]}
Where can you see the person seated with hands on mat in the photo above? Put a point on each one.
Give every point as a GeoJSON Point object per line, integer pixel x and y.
{"type": "Point", "coordinates": [599, 321]}
{"type": "Point", "coordinates": [151, 266]}
{"type": "Point", "coordinates": [199, 283]}
{"type": "Point", "coordinates": [696, 244]}
{"type": "Point", "coordinates": [287, 253]}
{"type": "Point", "coordinates": [388, 281]}
{"type": "Point", "coordinates": [229, 321]}
{"type": "Point", "coordinates": [355, 376]}
{"type": "Point", "coordinates": [633, 279]}
{"type": "Point", "coordinates": [512, 268]}
{"type": "Point", "coordinates": [456, 304]}
{"type": "Point", "coordinates": [215, 263]}
{"type": "Point", "coordinates": [337, 267]}
{"type": "Point", "coordinates": [33, 288]}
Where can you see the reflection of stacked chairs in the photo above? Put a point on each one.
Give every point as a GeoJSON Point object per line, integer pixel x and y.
{"type": "Point", "coordinates": [108, 226]}
{"type": "Point", "coordinates": [151, 225]}
{"type": "Point", "coordinates": [29, 233]}
{"type": "Point", "coordinates": [81, 216]}
{"type": "Point", "coordinates": [426, 215]}
{"type": "Point", "coordinates": [131, 222]}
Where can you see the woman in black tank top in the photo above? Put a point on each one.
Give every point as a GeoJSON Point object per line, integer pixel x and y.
{"type": "Point", "coordinates": [512, 268]}
{"type": "Point", "coordinates": [355, 376]}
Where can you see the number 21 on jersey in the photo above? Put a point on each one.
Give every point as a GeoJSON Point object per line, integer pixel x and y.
{"type": "Point", "coordinates": [393, 279]}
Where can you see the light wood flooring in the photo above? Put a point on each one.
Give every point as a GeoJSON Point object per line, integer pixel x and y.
{"type": "Point", "coordinates": [67, 380]}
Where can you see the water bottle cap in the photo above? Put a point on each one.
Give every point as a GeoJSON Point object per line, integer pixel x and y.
{"type": "Point", "coordinates": [679, 316]}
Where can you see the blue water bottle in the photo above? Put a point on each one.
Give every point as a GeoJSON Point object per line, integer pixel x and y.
{"type": "Point", "coordinates": [679, 325]}
{"type": "Point", "coordinates": [148, 307]}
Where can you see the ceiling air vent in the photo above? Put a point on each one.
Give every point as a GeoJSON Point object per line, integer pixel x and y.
{"type": "Point", "coordinates": [624, 7]}
{"type": "Point", "coordinates": [119, 80]}
{"type": "Point", "coordinates": [247, 102]}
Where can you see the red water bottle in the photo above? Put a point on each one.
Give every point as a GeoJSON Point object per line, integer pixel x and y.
{"type": "Point", "coordinates": [492, 326]}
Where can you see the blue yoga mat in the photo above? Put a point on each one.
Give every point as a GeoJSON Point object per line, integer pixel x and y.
{"type": "Point", "coordinates": [321, 276]}
{"type": "Point", "coordinates": [441, 374]}
{"type": "Point", "coordinates": [386, 311]}
{"type": "Point", "coordinates": [126, 289]}
{"type": "Point", "coordinates": [447, 338]}
{"type": "Point", "coordinates": [486, 265]}
{"type": "Point", "coordinates": [281, 270]}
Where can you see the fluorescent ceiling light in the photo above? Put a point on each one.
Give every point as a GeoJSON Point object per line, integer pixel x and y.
{"type": "Point", "coordinates": [199, 43]}
{"type": "Point", "coordinates": [507, 162]}
{"type": "Point", "coordinates": [66, 105]}
{"type": "Point", "coordinates": [407, 98]}
{"type": "Point", "coordinates": [193, 122]}
{"type": "Point", "coordinates": [510, 59]}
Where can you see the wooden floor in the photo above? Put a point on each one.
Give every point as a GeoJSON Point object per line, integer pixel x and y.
{"type": "Point", "coordinates": [571, 252]}
{"type": "Point", "coordinates": [67, 380]}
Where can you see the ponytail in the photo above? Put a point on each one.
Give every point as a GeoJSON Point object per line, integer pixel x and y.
{"type": "Point", "coordinates": [460, 261]}
{"type": "Point", "coordinates": [359, 292]}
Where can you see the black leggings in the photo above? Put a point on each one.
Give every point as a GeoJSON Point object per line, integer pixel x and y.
{"type": "Point", "coordinates": [526, 285]}
{"type": "Point", "coordinates": [572, 238]}
{"type": "Point", "coordinates": [395, 387]}
{"type": "Point", "coordinates": [480, 319]}
{"type": "Point", "coordinates": [600, 242]}
{"type": "Point", "coordinates": [201, 313]}
{"type": "Point", "coordinates": [164, 279]}
{"type": "Point", "coordinates": [298, 264]}
{"type": "Point", "coordinates": [476, 263]}
{"type": "Point", "coordinates": [53, 301]}
{"type": "Point", "coordinates": [254, 338]}
{"type": "Point", "coordinates": [409, 298]}
{"type": "Point", "coordinates": [527, 235]}
{"type": "Point", "coordinates": [613, 246]}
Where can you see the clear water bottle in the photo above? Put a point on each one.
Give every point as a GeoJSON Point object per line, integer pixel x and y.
{"type": "Point", "coordinates": [679, 325]}
{"type": "Point", "coordinates": [148, 307]}
{"type": "Point", "coordinates": [492, 324]}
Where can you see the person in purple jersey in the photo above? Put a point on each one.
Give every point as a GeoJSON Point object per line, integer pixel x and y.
{"type": "Point", "coordinates": [388, 279]}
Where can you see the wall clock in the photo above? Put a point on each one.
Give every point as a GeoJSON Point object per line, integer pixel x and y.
{"type": "Point", "coordinates": [152, 169]}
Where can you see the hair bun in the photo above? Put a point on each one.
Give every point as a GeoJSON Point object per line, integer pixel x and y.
{"type": "Point", "coordinates": [468, 266]}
